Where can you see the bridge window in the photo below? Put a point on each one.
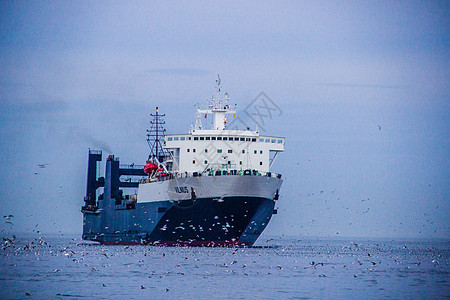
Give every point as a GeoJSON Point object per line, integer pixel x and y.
{"type": "Point", "coordinates": [247, 139]}
{"type": "Point", "coordinates": [202, 138]}
{"type": "Point", "coordinates": [225, 138]}
{"type": "Point", "coordinates": [169, 138]}
{"type": "Point", "coordinates": [242, 139]}
{"type": "Point", "coordinates": [208, 138]}
{"type": "Point", "coordinates": [261, 140]}
{"type": "Point", "coordinates": [175, 138]}
{"type": "Point", "coordinates": [273, 140]}
{"type": "Point", "coordinates": [280, 141]}
{"type": "Point", "coordinates": [182, 138]}
{"type": "Point", "coordinates": [219, 138]}
{"type": "Point", "coordinates": [254, 140]}
{"type": "Point", "coordinates": [236, 139]}
{"type": "Point", "coordinates": [267, 140]}
{"type": "Point", "coordinates": [213, 138]}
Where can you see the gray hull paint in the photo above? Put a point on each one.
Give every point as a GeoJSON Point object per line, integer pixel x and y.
{"type": "Point", "coordinates": [210, 186]}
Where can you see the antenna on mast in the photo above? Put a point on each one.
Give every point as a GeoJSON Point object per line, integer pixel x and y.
{"type": "Point", "coordinates": [218, 85]}
{"type": "Point", "coordinates": [218, 107]}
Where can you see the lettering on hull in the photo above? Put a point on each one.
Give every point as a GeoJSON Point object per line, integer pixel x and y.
{"type": "Point", "coordinates": [181, 189]}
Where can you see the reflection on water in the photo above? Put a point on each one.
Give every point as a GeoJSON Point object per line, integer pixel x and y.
{"type": "Point", "coordinates": [50, 267]}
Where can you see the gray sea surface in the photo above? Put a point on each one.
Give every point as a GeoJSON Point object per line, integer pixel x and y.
{"type": "Point", "coordinates": [49, 267]}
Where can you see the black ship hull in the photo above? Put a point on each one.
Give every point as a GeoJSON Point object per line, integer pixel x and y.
{"type": "Point", "coordinates": [231, 221]}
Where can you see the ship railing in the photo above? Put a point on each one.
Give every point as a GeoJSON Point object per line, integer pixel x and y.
{"type": "Point", "coordinates": [226, 172]}
{"type": "Point", "coordinates": [131, 166]}
{"type": "Point", "coordinates": [148, 180]}
{"type": "Point", "coordinates": [220, 166]}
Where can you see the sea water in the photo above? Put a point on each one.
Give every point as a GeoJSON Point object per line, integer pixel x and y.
{"type": "Point", "coordinates": [42, 267]}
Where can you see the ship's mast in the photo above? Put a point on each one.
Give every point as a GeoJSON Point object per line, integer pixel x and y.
{"type": "Point", "coordinates": [155, 134]}
{"type": "Point", "coordinates": [219, 108]}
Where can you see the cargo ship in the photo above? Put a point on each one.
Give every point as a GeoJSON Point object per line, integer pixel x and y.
{"type": "Point", "coordinates": [209, 187]}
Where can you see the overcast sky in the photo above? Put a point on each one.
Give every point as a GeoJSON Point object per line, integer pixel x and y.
{"type": "Point", "coordinates": [363, 87]}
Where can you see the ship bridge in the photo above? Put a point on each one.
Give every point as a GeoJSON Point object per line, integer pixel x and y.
{"type": "Point", "coordinates": [201, 150]}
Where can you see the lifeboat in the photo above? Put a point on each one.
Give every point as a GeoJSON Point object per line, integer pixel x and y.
{"type": "Point", "coordinates": [150, 168]}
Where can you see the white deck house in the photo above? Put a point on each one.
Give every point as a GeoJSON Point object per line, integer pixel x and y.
{"type": "Point", "coordinates": [201, 150]}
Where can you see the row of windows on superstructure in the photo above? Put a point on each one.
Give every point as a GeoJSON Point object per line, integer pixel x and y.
{"type": "Point", "coordinates": [222, 138]}
{"type": "Point", "coordinates": [229, 162]}
{"type": "Point", "coordinates": [229, 151]}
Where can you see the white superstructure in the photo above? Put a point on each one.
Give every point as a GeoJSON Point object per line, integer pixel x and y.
{"type": "Point", "coordinates": [217, 149]}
